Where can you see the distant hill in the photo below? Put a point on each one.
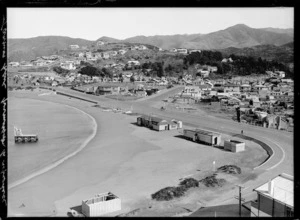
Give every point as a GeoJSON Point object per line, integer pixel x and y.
{"type": "Point", "coordinates": [289, 31]}
{"type": "Point", "coordinates": [108, 39]}
{"type": "Point", "coordinates": [28, 49]}
{"type": "Point", "coordinates": [238, 36]}
{"type": "Point", "coordinates": [163, 41]}
{"type": "Point", "coordinates": [283, 53]}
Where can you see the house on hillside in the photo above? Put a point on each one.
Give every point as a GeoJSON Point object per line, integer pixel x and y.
{"type": "Point", "coordinates": [182, 50]}
{"type": "Point", "coordinates": [105, 55]}
{"type": "Point", "coordinates": [100, 43]}
{"type": "Point", "coordinates": [142, 47]}
{"type": "Point", "coordinates": [194, 51]}
{"type": "Point", "coordinates": [122, 51]}
{"type": "Point", "coordinates": [74, 47]}
{"type": "Point", "coordinates": [68, 66]}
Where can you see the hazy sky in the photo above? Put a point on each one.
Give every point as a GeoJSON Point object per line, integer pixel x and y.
{"type": "Point", "coordinates": [121, 23]}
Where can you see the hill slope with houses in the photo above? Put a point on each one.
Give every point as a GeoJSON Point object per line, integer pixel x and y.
{"type": "Point", "coordinates": [238, 36]}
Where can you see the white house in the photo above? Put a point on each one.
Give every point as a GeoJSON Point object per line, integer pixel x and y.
{"type": "Point", "coordinates": [68, 66]}
{"type": "Point", "coordinates": [74, 47]}
{"type": "Point", "coordinates": [194, 51]}
{"type": "Point", "coordinates": [100, 43]}
{"type": "Point", "coordinates": [182, 50]}
{"type": "Point", "coordinates": [122, 52]}
{"type": "Point", "coordinates": [14, 64]}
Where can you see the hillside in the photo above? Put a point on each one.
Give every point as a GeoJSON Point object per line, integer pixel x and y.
{"type": "Point", "coordinates": [163, 41]}
{"type": "Point", "coordinates": [28, 49]}
{"type": "Point", "coordinates": [238, 36]}
{"type": "Point", "coordinates": [284, 53]}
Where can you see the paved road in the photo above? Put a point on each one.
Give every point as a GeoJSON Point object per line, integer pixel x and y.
{"type": "Point", "coordinates": [280, 141]}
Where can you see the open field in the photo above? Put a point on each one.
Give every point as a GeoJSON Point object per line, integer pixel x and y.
{"type": "Point", "coordinates": [142, 160]}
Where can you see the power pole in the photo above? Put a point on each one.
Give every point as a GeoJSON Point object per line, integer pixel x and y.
{"type": "Point", "coordinates": [240, 199]}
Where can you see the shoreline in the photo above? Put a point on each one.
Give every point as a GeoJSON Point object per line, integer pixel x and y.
{"type": "Point", "coordinates": [57, 163]}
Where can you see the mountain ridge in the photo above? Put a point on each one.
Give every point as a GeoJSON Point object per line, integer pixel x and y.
{"type": "Point", "coordinates": [238, 36]}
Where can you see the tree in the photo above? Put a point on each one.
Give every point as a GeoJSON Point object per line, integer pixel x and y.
{"type": "Point", "coordinates": [90, 71]}
{"type": "Point", "coordinates": [132, 79]}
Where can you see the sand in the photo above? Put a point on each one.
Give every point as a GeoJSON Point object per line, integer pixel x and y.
{"type": "Point", "coordinates": [130, 161]}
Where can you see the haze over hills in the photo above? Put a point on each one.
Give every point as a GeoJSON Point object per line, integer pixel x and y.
{"type": "Point", "coordinates": [238, 36]}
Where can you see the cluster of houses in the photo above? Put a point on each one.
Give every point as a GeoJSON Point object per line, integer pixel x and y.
{"type": "Point", "coordinates": [267, 102]}
{"type": "Point", "coordinates": [183, 50]}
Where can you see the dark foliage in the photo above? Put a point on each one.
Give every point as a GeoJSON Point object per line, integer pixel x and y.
{"type": "Point", "coordinates": [233, 169]}
{"type": "Point", "coordinates": [60, 70]}
{"type": "Point", "coordinates": [91, 71]}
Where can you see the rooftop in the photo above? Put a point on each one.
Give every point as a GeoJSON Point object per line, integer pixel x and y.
{"type": "Point", "coordinates": [282, 189]}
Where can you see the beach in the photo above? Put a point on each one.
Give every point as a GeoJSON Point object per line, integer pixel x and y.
{"type": "Point", "coordinates": [130, 161]}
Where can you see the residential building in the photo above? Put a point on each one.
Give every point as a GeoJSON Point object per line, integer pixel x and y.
{"type": "Point", "coordinates": [68, 66]}
{"type": "Point", "coordinates": [14, 64]}
{"type": "Point", "coordinates": [105, 90]}
{"type": "Point", "coordinates": [275, 198]}
{"type": "Point", "coordinates": [182, 50]}
{"type": "Point", "coordinates": [245, 88]}
{"type": "Point", "coordinates": [122, 52]}
{"type": "Point", "coordinates": [232, 88]}
{"type": "Point", "coordinates": [74, 47]}
{"type": "Point", "coordinates": [194, 51]}
{"type": "Point", "coordinates": [100, 43]}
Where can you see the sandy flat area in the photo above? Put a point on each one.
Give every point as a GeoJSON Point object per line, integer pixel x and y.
{"type": "Point", "coordinates": [130, 161]}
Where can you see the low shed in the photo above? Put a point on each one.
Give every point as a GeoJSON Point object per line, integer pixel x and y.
{"type": "Point", "coordinates": [234, 146]}
{"type": "Point", "coordinates": [101, 204]}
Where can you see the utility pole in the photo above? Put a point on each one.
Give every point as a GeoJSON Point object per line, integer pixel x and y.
{"type": "Point", "coordinates": [240, 199]}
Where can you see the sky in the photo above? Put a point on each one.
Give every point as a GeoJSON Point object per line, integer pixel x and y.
{"type": "Point", "coordinates": [121, 23]}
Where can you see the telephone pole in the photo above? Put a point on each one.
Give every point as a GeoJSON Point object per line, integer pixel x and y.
{"type": "Point", "coordinates": [240, 199]}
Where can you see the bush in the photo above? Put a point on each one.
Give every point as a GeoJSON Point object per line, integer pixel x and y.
{"type": "Point", "coordinates": [212, 181]}
{"type": "Point", "coordinates": [90, 71]}
{"type": "Point", "coordinates": [230, 169]}
{"type": "Point", "coordinates": [165, 194]}
{"type": "Point", "coordinates": [189, 183]}
{"type": "Point", "coordinates": [60, 70]}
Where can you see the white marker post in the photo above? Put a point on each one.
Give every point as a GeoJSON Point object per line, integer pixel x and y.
{"type": "Point", "coordinates": [214, 165]}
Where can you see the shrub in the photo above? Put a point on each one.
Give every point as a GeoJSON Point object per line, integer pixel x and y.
{"type": "Point", "coordinates": [230, 169]}
{"type": "Point", "coordinates": [212, 181]}
{"type": "Point", "coordinates": [164, 194]}
{"type": "Point", "coordinates": [189, 183]}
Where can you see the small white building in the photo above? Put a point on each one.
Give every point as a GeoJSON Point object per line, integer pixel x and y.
{"type": "Point", "coordinates": [14, 64]}
{"type": "Point", "coordinates": [182, 50]}
{"type": "Point", "coordinates": [100, 43]}
{"type": "Point", "coordinates": [74, 47]}
{"type": "Point", "coordinates": [101, 204]}
{"type": "Point", "coordinates": [68, 66]}
{"type": "Point", "coordinates": [234, 146]}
